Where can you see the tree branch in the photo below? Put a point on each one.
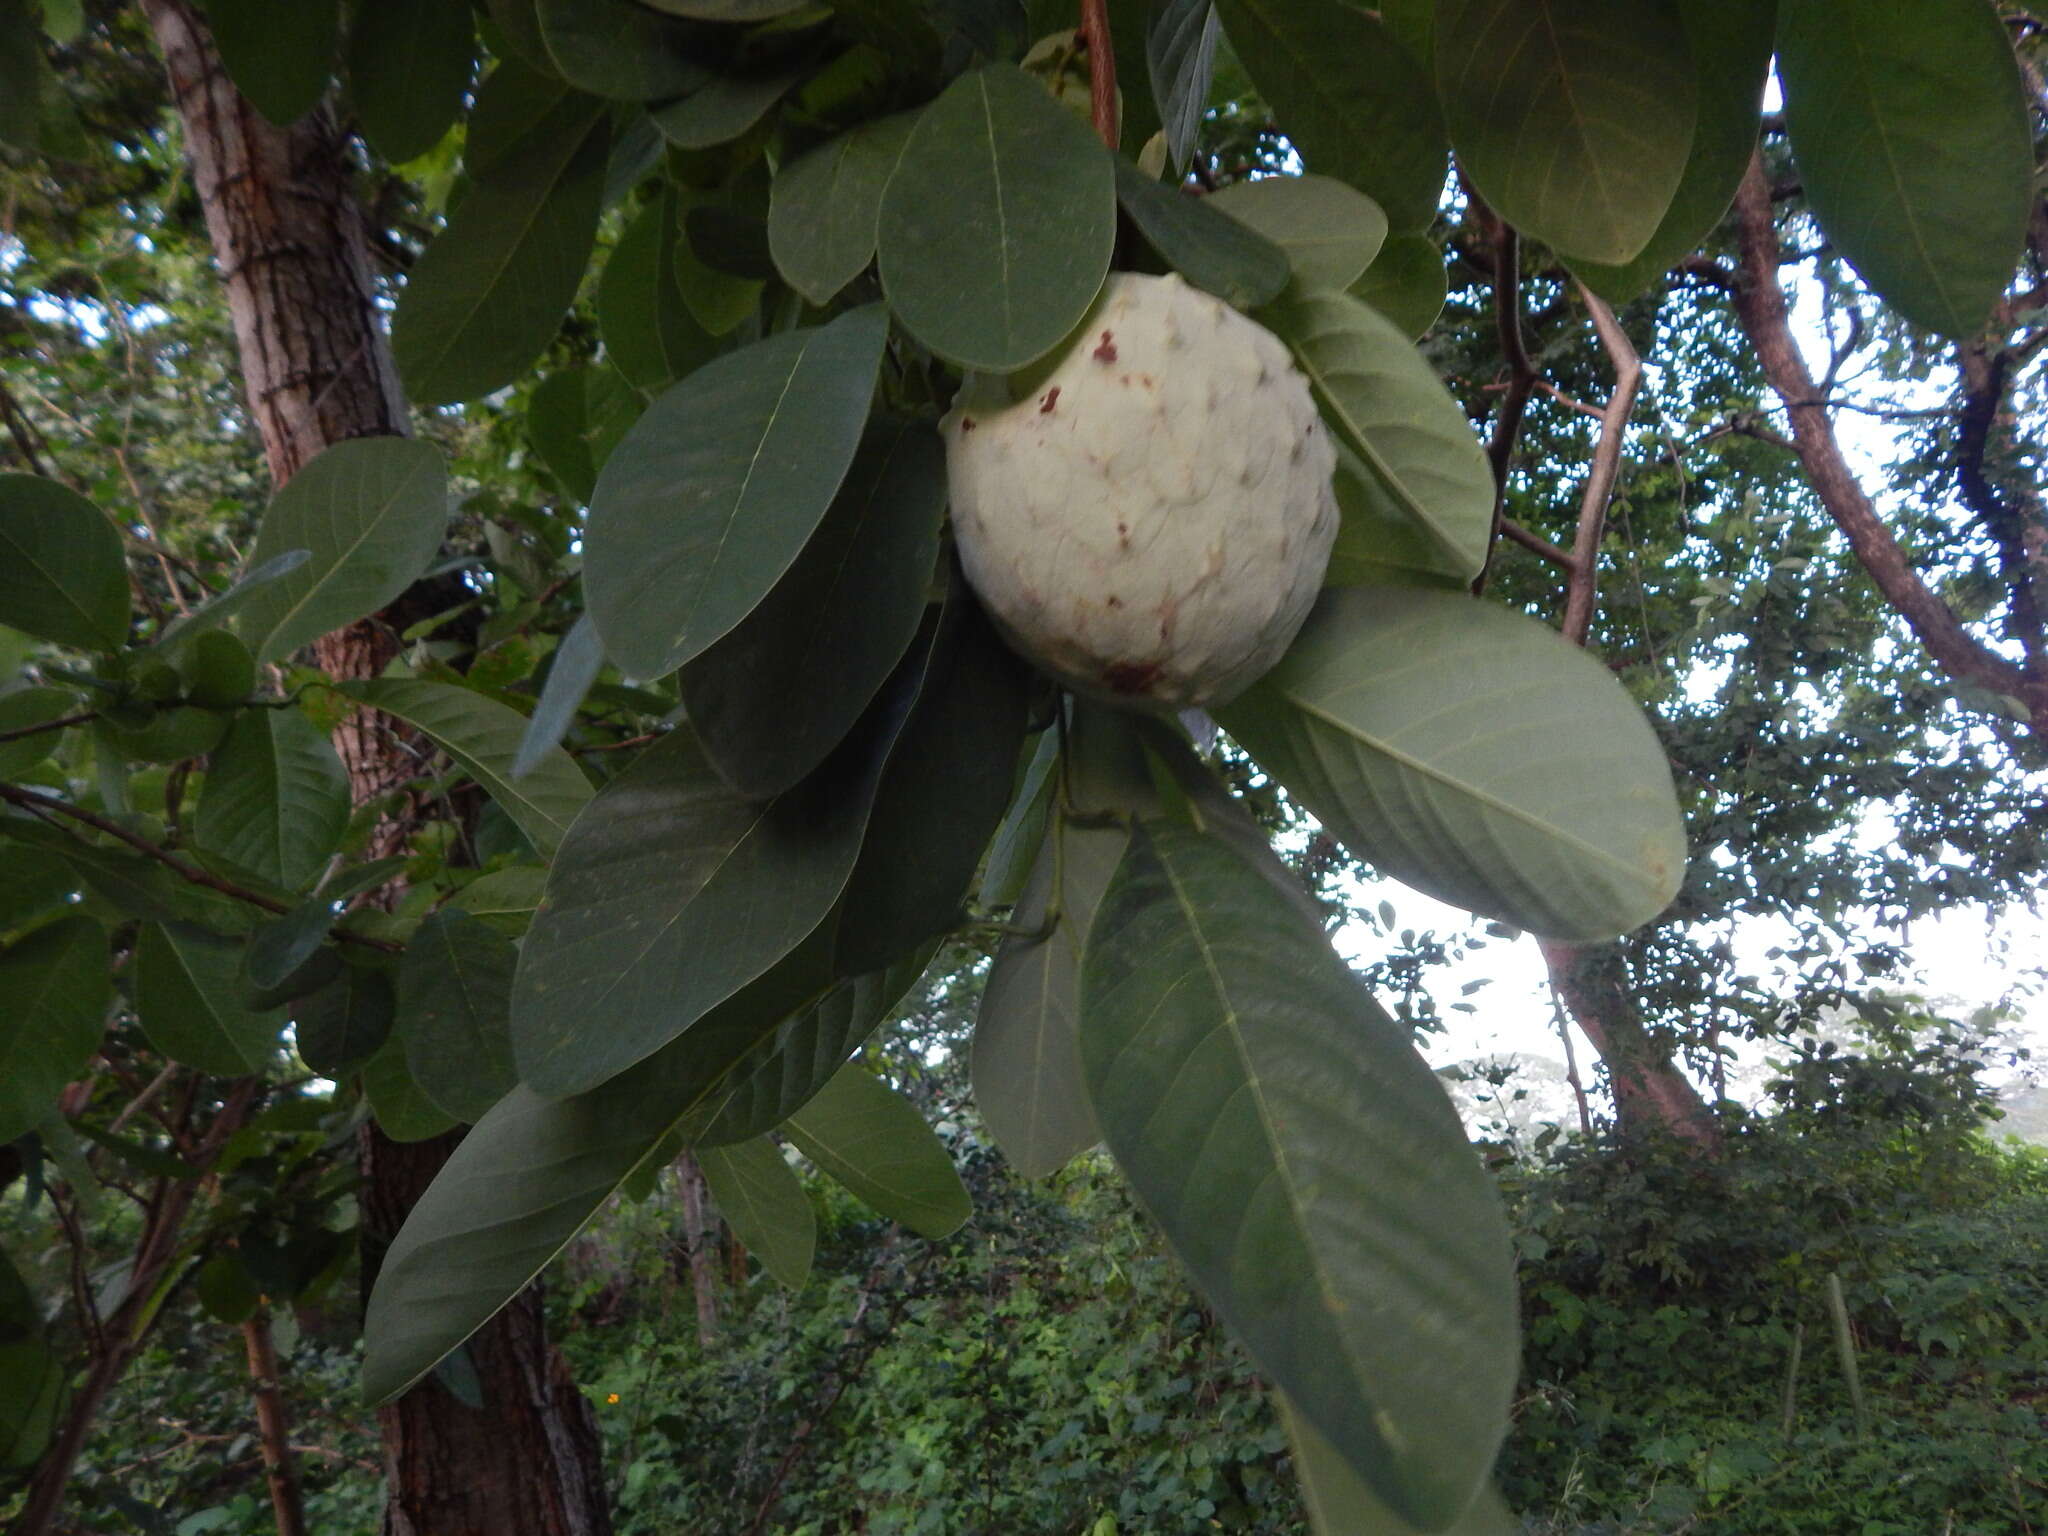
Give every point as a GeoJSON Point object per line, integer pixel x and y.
{"type": "Point", "coordinates": [1760, 305]}
{"type": "Point", "coordinates": [1101, 68]}
{"type": "Point", "coordinates": [1583, 589]}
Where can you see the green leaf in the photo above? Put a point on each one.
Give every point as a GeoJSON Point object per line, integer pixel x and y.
{"type": "Point", "coordinates": [34, 882]}
{"type": "Point", "coordinates": [371, 512]}
{"type": "Point", "coordinates": [1180, 57]}
{"type": "Point", "coordinates": [1407, 283]}
{"type": "Point", "coordinates": [711, 496]}
{"type": "Point", "coordinates": [1353, 100]}
{"type": "Point", "coordinates": [773, 697]}
{"type": "Point", "coordinates": [785, 1071]}
{"type": "Point", "coordinates": [188, 997]}
{"type": "Point", "coordinates": [489, 292]}
{"type": "Point", "coordinates": [505, 899]}
{"type": "Point", "coordinates": [1379, 544]}
{"type": "Point", "coordinates": [1340, 1504]}
{"type": "Point", "coordinates": [1330, 232]}
{"type": "Point", "coordinates": [649, 333]}
{"type": "Point", "coordinates": [57, 988]}
{"type": "Point", "coordinates": [722, 109]}
{"type": "Point", "coordinates": [766, 1205]}
{"type": "Point", "coordinates": [62, 577]}
{"type": "Point", "coordinates": [1305, 1165]}
{"type": "Point", "coordinates": [404, 1109]}
{"type": "Point", "coordinates": [1474, 754]}
{"type": "Point", "coordinates": [22, 84]}
{"type": "Point", "coordinates": [996, 229]}
{"type": "Point", "coordinates": [824, 206]}
{"type": "Point", "coordinates": [279, 56]}
{"type": "Point", "coordinates": [530, 1174]}
{"type": "Point", "coordinates": [185, 630]}
{"type": "Point", "coordinates": [455, 1012]}
{"type": "Point", "coordinates": [1013, 852]}
{"type": "Point", "coordinates": [280, 952]}
{"type": "Point", "coordinates": [226, 1289]}
{"type": "Point", "coordinates": [577, 661]}
{"type": "Point", "coordinates": [484, 737]}
{"type": "Point", "coordinates": [941, 797]}
{"type": "Point", "coordinates": [345, 1023]}
{"type": "Point", "coordinates": [1909, 126]}
{"type": "Point", "coordinates": [1386, 405]}
{"type": "Point", "coordinates": [1573, 118]}
{"type": "Point", "coordinates": [672, 893]}
{"type": "Point", "coordinates": [28, 707]}
{"type": "Point", "coordinates": [276, 799]}
{"type": "Point", "coordinates": [722, 301]}
{"type": "Point", "coordinates": [871, 1139]}
{"type": "Point", "coordinates": [1208, 248]}
{"type": "Point", "coordinates": [408, 67]}
{"type": "Point", "coordinates": [34, 1388]}
{"type": "Point", "coordinates": [1731, 50]}
{"type": "Point", "coordinates": [620, 50]}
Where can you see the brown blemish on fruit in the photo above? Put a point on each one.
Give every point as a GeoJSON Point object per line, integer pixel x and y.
{"type": "Point", "coordinates": [1130, 676]}
{"type": "Point", "coordinates": [1112, 601]}
{"type": "Point", "coordinates": [1123, 535]}
{"type": "Point", "coordinates": [966, 423]}
{"type": "Point", "coordinates": [1051, 399]}
{"type": "Point", "coordinates": [1105, 351]}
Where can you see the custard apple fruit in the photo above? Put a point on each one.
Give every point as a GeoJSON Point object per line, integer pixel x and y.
{"type": "Point", "coordinates": [1151, 521]}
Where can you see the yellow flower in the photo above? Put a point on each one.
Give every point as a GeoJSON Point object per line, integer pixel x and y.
{"type": "Point", "coordinates": [611, 1397]}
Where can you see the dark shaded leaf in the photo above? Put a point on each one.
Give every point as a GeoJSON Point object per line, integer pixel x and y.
{"type": "Point", "coordinates": [276, 798]}
{"type": "Point", "coordinates": [1206, 246]}
{"type": "Point", "coordinates": [188, 997]}
{"type": "Point", "coordinates": [346, 1022]}
{"type": "Point", "coordinates": [62, 577]}
{"type": "Point", "coordinates": [408, 67]}
{"type": "Point", "coordinates": [278, 55]}
{"type": "Point", "coordinates": [455, 1012]}
{"type": "Point", "coordinates": [824, 206]}
{"type": "Point", "coordinates": [766, 1205]}
{"type": "Point", "coordinates": [871, 1139]}
{"type": "Point", "coordinates": [1180, 55]}
{"type": "Point", "coordinates": [57, 988]}
{"type": "Point", "coordinates": [649, 333]}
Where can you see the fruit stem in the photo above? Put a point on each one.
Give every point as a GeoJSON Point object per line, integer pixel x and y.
{"type": "Point", "coordinates": [1101, 68]}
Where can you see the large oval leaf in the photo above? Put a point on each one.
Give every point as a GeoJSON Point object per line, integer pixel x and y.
{"type": "Point", "coordinates": [1305, 1164]}
{"type": "Point", "coordinates": [57, 988]}
{"type": "Point", "coordinates": [1407, 283]}
{"type": "Point", "coordinates": [455, 1012]}
{"type": "Point", "coordinates": [370, 514]}
{"type": "Point", "coordinates": [279, 56]}
{"type": "Point", "coordinates": [1731, 49]}
{"type": "Point", "coordinates": [1422, 464]}
{"type": "Point", "coordinates": [276, 799]}
{"type": "Point", "coordinates": [772, 698]}
{"type": "Point", "coordinates": [996, 228]}
{"type": "Point", "coordinates": [649, 333]}
{"type": "Point", "coordinates": [1909, 126]}
{"type": "Point", "coordinates": [711, 495]}
{"type": "Point", "coordinates": [824, 206]}
{"type": "Point", "coordinates": [1474, 754]}
{"type": "Point", "coordinates": [61, 573]}
{"type": "Point", "coordinates": [188, 999]}
{"type": "Point", "coordinates": [871, 1139]}
{"type": "Point", "coordinates": [619, 49]}
{"type": "Point", "coordinates": [489, 292]}
{"type": "Point", "coordinates": [408, 66]}
{"type": "Point", "coordinates": [1356, 102]}
{"type": "Point", "coordinates": [1340, 1504]}
{"type": "Point", "coordinates": [1331, 232]}
{"type": "Point", "coordinates": [484, 738]}
{"type": "Point", "coordinates": [1228, 258]}
{"type": "Point", "coordinates": [765, 1204]}
{"type": "Point", "coordinates": [1573, 118]}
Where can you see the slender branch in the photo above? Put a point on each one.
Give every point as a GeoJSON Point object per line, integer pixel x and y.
{"type": "Point", "coordinates": [1760, 305]}
{"type": "Point", "coordinates": [1101, 68]}
{"type": "Point", "coordinates": [49, 805]}
{"type": "Point", "coordinates": [1581, 592]}
{"type": "Point", "coordinates": [1536, 544]}
{"type": "Point", "coordinates": [24, 732]}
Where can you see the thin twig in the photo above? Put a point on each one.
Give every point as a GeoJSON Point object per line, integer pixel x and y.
{"type": "Point", "coordinates": [1581, 592]}
{"type": "Point", "coordinates": [1101, 68]}
{"type": "Point", "coordinates": [1536, 544]}
{"type": "Point", "coordinates": [26, 731]}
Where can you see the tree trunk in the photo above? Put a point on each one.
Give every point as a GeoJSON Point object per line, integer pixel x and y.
{"type": "Point", "coordinates": [699, 1230]}
{"type": "Point", "coordinates": [1650, 1094]}
{"type": "Point", "coordinates": [272, 1429]}
{"type": "Point", "coordinates": [291, 244]}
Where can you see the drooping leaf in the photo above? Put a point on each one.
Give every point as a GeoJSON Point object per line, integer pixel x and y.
{"type": "Point", "coordinates": [996, 228]}
{"type": "Point", "coordinates": [455, 1012]}
{"type": "Point", "coordinates": [1573, 118]}
{"type": "Point", "coordinates": [1731, 49]}
{"type": "Point", "coordinates": [488, 293]}
{"type": "Point", "coordinates": [1340, 1504]}
{"type": "Point", "coordinates": [1352, 98]}
{"type": "Point", "coordinates": [722, 109]}
{"type": "Point", "coordinates": [785, 1071]}
{"type": "Point", "coordinates": [206, 617]}
{"type": "Point", "coordinates": [773, 697]}
{"type": "Point", "coordinates": [34, 883]}
{"type": "Point", "coordinates": [34, 1388]}
{"type": "Point", "coordinates": [276, 800]}
{"type": "Point", "coordinates": [1910, 129]}
{"type": "Point", "coordinates": [1476, 755]}
{"type": "Point", "coordinates": [649, 333]}
{"type": "Point", "coordinates": [505, 899]}
{"type": "Point", "coordinates": [408, 67]}
{"type": "Point", "coordinates": [345, 1023]}
{"type": "Point", "coordinates": [577, 661]}
{"type": "Point", "coordinates": [712, 494]}
{"type": "Point", "coordinates": [871, 1139]}
{"type": "Point", "coordinates": [1180, 56]}
{"type": "Point", "coordinates": [672, 892]}
{"type": "Point", "coordinates": [280, 954]}
{"type": "Point", "coordinates": [24, 709]}
{"type": "Point", "coordinates": [1407, 283]}
{"type": "Point", "coordinates": [824, 206]}
{"type": "Point", "coordinates": [278, 55]}
{"type": "Point", "coordinates": [61, 573]}
{"type": "Point", "coordinates": [1330, 232]}
{"type": "Point", "coordinates": [57, 988]}
{"type": "Point", "coordinates": [370, 512]}
{"type": "Point", "coordinates": [765, 1203]}
{"type": "Point", "coordinates": [188, 997]}
{"type": "Point", "coordinates": [619, 49]}
{"type": "Point", "coordinates": [1013, 852]}
{"type": "Point", "coordinates": [404, 1109]}
{"type": "Point", "coordinates": [1228, 258]}
{"type": "Point", "coordinates": [1386, 405]}
{"type": "Point", "coordinates": [941, 796]}
{"type": "Point", "coordinates": [532, 1172]}
{"type": "Point", "coordinates": [1305, 1165]}
{"type": "Point", "coordinates": [484, 737]}
{"type": "Point", "coordinates": [22, 84]}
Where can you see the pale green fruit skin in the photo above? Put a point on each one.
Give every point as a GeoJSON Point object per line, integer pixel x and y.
{"type": "Point", "coordinates": [1150, 524]}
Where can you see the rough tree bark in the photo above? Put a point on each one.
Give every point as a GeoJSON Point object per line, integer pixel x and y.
{"type": "Point", "coordinates": [700, 1235]}
{"type": "Point", "coordinates": [289, 237]}
{"type": "Point", "coordinates": [1650, 1093]}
